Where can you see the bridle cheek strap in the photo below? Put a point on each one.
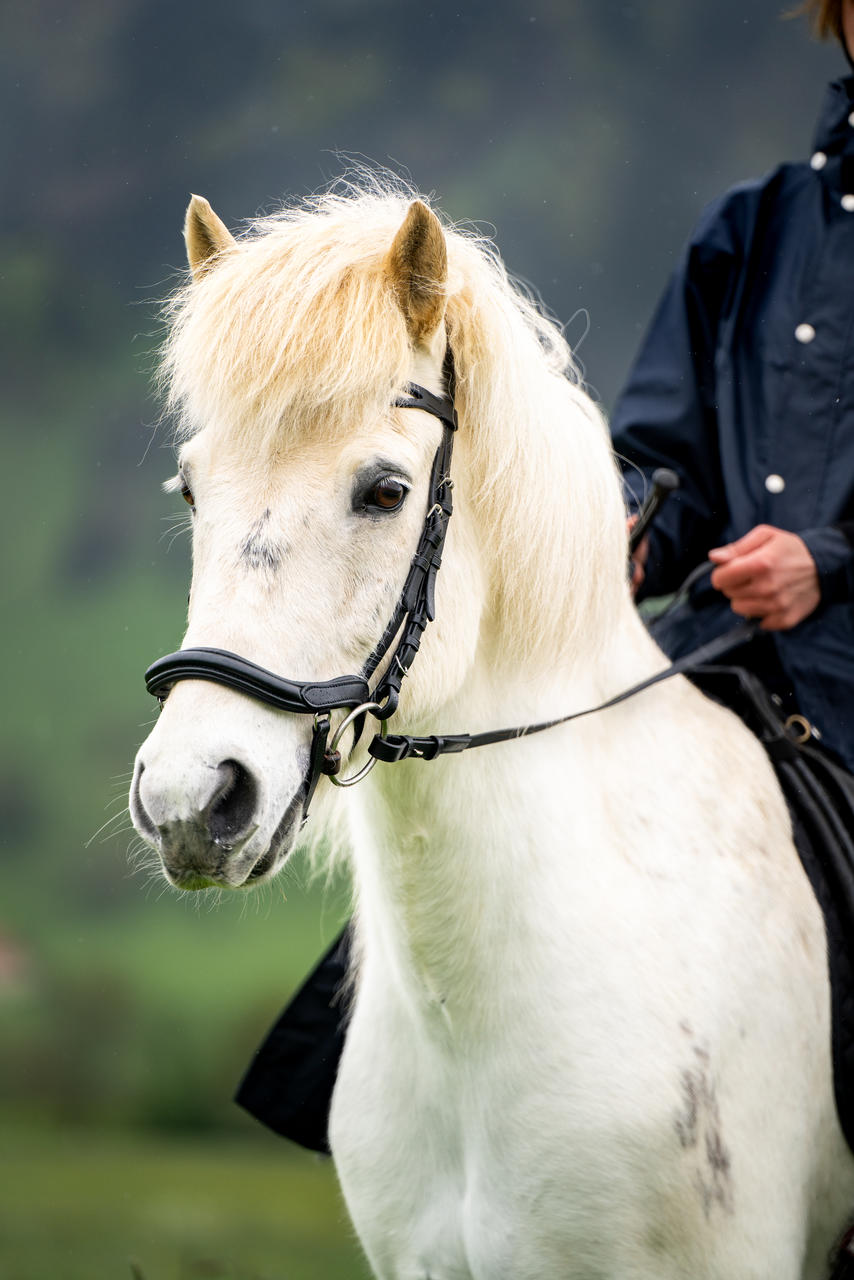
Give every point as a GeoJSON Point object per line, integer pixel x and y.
{"type": "Point", "coordinates": [417, 604]}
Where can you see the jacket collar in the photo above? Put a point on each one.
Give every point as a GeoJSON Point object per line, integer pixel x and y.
{"type": "Point", "coordinates": [833, 142]}
{"type": "Point", "coordinates": [833, 133]}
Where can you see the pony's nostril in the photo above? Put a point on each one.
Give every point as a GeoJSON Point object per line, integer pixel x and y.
{"type": "Point", "coordinates": [138, 811]}
{"type": "Point", "coordinates": [232, 805]}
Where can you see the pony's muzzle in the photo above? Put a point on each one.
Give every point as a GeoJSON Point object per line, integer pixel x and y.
{"type": "Point", "coordinates": [198, 829]}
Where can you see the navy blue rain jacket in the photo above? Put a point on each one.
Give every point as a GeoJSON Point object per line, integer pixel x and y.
{"type": "Point", "coordinates": [745, 386]}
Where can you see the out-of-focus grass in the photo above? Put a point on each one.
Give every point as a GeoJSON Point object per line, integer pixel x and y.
{"type": "Point", "coordinates": [77, 1205]}
{"type": "Point", "coordinates": [147, 1018]}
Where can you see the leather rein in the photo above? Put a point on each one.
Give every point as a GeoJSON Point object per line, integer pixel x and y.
{"type": "Point", "coordinates": [414, 609]}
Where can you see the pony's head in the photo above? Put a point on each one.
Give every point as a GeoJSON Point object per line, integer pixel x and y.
{"type": "Point", "coordinates": [287, 350]}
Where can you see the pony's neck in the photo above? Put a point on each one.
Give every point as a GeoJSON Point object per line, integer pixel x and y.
{"type": "Point", "coordinates": [459, 862]}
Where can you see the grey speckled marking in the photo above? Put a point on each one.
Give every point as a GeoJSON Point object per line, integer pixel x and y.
{"type": "Point", "coordinates": [259, 552]}
{"type": "Point", "coordinates": [698, 1127]}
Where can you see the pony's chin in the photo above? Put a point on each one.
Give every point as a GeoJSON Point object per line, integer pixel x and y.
{"type": "Point", "coordinates": [263, 869]}
{"type": "Point", "coordinates": [194, 883]}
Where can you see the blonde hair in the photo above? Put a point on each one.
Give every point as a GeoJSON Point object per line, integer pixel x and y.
{"type": "Point", "coordinates": [825, 17]}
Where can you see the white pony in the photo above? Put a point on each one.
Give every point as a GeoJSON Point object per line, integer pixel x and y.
{"type": "Point", "coordinates": [590, 1030]}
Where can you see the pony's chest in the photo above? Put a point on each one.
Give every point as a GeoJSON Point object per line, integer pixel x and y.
{"type": "Point", "coordinates": [399, 1159]}
{"type": "Point", "coordinates": [445, 1174]}
{"type": "Point", "coordinates": [422, 1216]}
{"type": "Point", "coordinates": [430, 1206]}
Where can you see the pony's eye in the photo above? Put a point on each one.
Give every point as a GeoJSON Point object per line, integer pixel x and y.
{"type": "Point", "coordinates": [187, 494]}
{"type": "Point", "coordinates": [388, 494]}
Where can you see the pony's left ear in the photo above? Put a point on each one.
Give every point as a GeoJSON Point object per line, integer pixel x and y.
{"type": "Point", "coordinates": [205, 235]}
{"type": "Point", "coordinates": [417, 265]}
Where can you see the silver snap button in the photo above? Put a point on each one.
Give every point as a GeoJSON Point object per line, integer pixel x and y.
{"type": "Point", "coordinates": [818, 160]}
{"type": "Point", "coordinates": [805, 333]}
{"type": "Point", "coordinates": [775, 484]}
{"type": "Point", "coordinates": [847, 203]}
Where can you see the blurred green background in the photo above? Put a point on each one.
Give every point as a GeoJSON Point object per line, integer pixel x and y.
{"type": "Point", "coordinates": [588, 134]}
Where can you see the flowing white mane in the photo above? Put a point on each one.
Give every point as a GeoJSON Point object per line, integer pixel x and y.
{"type": "Point", "coordinates": [296, 332]}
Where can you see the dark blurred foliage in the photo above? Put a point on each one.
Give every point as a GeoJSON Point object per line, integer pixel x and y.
{"type": "Point", "coordinates": [587, 134]}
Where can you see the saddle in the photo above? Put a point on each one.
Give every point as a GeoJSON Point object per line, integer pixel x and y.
{"type": "Point", "coordinates": [289, 1084]}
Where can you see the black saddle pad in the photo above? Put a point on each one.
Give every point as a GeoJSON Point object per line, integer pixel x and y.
{"type": "Point", "coordinates": [289, 1084]}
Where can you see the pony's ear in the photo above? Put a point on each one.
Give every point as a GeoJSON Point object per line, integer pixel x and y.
{"type": "Point", "coordinates": [204, 235]}
{"type": "Point", "coordinates": [417, 265]}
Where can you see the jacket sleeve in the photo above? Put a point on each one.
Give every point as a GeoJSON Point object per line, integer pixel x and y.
{"type": "Point", "coordinates": [832, 549]}
{"type": "Point", "coordinates": [666, 415]}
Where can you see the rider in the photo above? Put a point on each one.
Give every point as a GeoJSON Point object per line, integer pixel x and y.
{"type": "Point", "coordinates": [744, 386]}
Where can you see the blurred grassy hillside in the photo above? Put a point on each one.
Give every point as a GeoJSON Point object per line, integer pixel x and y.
{"type": "Point", "coordinates": [144, 1207]}
{"type": "Point", "coordinates": [589, 136]}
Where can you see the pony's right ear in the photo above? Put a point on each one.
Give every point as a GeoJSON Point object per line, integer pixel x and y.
{"type": "Point", "coordinates": [417, 266]}
{"type": "Point", "coordinates": [205, 235]}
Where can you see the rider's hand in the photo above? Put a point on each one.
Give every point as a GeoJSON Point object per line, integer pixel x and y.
{"type": "Point", "coordinates": [639, 556]}
{"type": "Point", "coordinates": [768, 574]}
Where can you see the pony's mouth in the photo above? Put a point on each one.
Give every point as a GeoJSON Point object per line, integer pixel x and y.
{"type": "Point", "coordinates": [282, 839]}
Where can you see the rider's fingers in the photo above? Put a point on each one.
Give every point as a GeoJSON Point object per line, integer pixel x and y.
{"type": "Point", "coordinates": [753, 605]}
{"type": "Point", "coordinates": [741, 572]}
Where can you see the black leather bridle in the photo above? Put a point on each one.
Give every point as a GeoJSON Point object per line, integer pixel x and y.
{"type": "Point", "coordinates": [414, 609]}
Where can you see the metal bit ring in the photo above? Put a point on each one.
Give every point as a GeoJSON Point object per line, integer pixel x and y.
{"type": "Point", "coordinates": [336, 738]}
